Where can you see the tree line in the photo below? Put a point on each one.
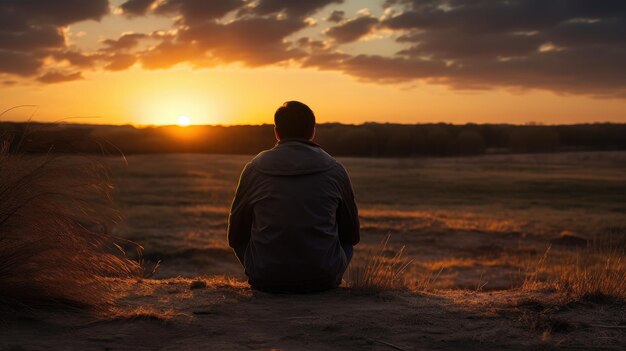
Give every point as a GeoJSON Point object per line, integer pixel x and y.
{"type": "Point", "coordinates": [365, 140]}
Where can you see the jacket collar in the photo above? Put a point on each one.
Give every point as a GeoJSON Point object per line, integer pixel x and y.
{"type": "Point", "coordinates": [293, 156]}
{"type": "Point", "coordinates": [297, 140]}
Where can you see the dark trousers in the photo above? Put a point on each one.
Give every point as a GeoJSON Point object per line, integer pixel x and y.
{"type": "Point", "coordinates": [348, 250]}
{"type": "Point", "coordinates": [304, 287]}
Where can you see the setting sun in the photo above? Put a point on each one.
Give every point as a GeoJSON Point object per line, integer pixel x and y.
{"type": "Point", "coordinates": [184, 121]}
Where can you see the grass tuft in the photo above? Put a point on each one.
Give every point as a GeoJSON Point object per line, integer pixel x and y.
{"type": "Point", "coordinates": [595, 274]}
{"type": "Point", "coordinates": [56, 215]}
{"type": "Point", "coordinates": [379, 270]}
{"type": "Point", "coordinates": [594, 277]}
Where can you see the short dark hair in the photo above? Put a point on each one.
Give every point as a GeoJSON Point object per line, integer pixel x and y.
{"type": "Point", "coordinates": [294, 120]}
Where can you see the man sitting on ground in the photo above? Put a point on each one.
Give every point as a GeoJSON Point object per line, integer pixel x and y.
{"type": "Point", "coordinates": [293, 222]}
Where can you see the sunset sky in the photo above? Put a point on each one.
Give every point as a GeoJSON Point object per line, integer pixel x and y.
{"type": "Point", "coordinates": [235, 61]}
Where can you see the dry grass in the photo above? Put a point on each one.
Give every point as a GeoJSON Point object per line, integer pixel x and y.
{"type": "Point", "coordinates": [596, 274]}
{"type": "Point", "coordinates": [56, 214]}
{"type": "Point", "coordinates": [402, 219]}
{"type": "Point", "coordinates": [379, 270]}
{"type": "Point", "coordinates": [593, 277]}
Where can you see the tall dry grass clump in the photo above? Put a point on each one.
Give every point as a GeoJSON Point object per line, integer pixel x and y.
{"type": "Point", "coordinates": [597, 273]}
{"type": "Point", "coordinates": [379, 270]}
{"type": "Point", "coordinates": [56, 214]}
{"type": "Point", "coordinates": [594, 278]}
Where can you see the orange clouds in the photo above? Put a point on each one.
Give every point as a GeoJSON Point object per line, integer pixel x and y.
{"type": "Point", "coordinates": [574, 47]}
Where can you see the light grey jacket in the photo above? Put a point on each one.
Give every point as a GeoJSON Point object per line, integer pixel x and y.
{"type": "Point", "coordinates": [293, 209]}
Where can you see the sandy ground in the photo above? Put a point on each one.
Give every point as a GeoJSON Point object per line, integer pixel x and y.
{"type": "Point", "coordinates": [217, 314]}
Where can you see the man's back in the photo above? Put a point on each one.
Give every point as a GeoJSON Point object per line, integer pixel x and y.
{"type": "Point", "coordinates": [293, 210]}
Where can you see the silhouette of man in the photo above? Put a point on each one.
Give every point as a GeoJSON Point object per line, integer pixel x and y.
{"type": "Point", "coordinates": [293, 222]}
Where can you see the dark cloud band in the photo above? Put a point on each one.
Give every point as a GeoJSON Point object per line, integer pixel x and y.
{"type": "Point", "coordinates": [31, 30]}
{"type": "Point", "coordinates": [566, 46]}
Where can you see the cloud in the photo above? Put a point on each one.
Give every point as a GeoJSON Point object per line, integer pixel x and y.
{"type": "Point", "coordinates": [32, 30]}
{"type": "Point", "coordinates": [59, 77]}
{"type": "Point", "coordinates": [76, 58]}
{"type": "Point", "coordinates": [32, 38]}
{"type": "Point", "coordinates": [576, 70]}
{"type": "Point", "coordinates": [120, 62]}
{"type": "Point", "coordinates": [124, 42]}
{"type": "Point", "coordinates": [609, 31]}
{"type": "Point", "coordinates": [194, 11]}
{"type": "Point", "coordinates": [19, 63]}
{"type": "Point", "coordinates": [352, 30]}
{"type": "Point", "coordinates": [336, 16]}
{"type": "Point", "coordinates": [493, 16]}
{"type": "Point", "coordinates": [308, 43]}
{"type": "Point", "coordinates": [451, 44]}
{"type": "Point", "coordinates": [16, 16]}
{"type": "Point", "coordinates": [566, 46]}
{"type": "Point", "coordinates": [291, 8]}
{"type": "Point", "coordinates": [377, 68]}
{"type": "Point", "coordinates": [136, 7]}
{"type": "Point", "coordinates": [563, 46]}
{"type": "Point", "coordinates": [253, 41]}
{"type": "Point", "coordinates": [168, 53]}
{"type": "Point", "coordinates": [256, 36]}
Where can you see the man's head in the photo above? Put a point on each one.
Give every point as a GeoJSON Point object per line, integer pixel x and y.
{"type": "Point", "coordinates": [294, 120]}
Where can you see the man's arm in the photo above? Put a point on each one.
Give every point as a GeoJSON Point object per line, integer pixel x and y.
{"type": "Point", "coordinates": [347, 213]}
{"type": "Point", "coordinates": [240, 217]}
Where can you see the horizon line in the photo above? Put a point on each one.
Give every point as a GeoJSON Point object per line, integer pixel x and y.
{"type": "Point", "coordinates": [141, 126]}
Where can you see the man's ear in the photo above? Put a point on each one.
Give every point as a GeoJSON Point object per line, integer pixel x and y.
{"type": "Point", "coordinates": [276, 134]}
{"type": "Point", "coordinates": [312, 134]}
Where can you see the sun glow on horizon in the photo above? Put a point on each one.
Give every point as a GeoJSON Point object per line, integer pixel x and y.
{"type": "Point", "coordinates": [184, 121]}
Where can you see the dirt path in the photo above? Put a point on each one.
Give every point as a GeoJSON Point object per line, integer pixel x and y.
{"type": "Point", "coordinates": [226, 315]}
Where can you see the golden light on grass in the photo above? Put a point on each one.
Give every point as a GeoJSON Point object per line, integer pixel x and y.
{"type": "Point", "coordinates": [184, 121]}
{"type": "Point", "coordinates": [595, 274]}
{"type": "Point", "coordinates": [379, 270]}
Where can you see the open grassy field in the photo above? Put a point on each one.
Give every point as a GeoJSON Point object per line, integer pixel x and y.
{"type": "Point", "coordinates": [498, 246]}
{"type": "Point", "coordinates": [477, 219]}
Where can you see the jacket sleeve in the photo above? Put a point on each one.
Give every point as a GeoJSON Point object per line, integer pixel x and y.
{"type": "Point", "coordinates": [347, 213]}
{"type": "Point", "coordinates": [240, 217]}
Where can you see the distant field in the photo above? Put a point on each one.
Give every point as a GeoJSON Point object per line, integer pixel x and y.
{"type": "Point", "coordinates": [477, 220]}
